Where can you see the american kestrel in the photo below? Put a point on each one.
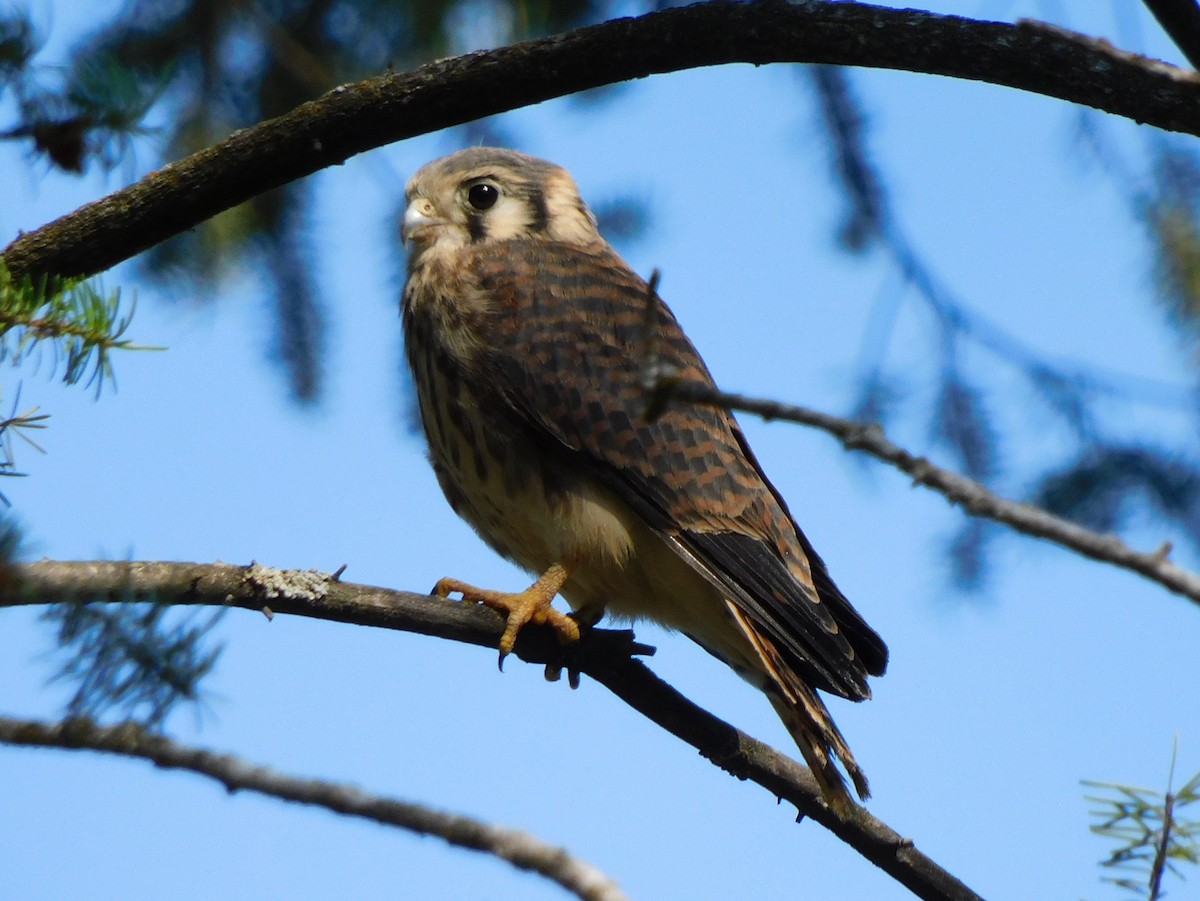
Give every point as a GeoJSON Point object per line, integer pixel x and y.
{"type": "Point", "coordinates": [527, 335]}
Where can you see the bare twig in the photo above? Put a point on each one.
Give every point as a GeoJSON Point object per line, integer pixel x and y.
{"type": "Point", "coordinates": [355, 118]}
{"type": "Point", "coordinates": [602, 654]}
{"type": "Point", "coordinates": [130, 740]}
{"type": "Point", "coordinates": [972, 496]}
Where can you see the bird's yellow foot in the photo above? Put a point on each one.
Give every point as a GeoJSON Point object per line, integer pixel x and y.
{"type": "Point", "coordinates": [533, 605]}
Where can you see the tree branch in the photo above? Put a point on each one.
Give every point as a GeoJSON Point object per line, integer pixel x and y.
{"type": "Point", "coordinates": [1030, 56]}
{"type": "Point", "coordinates": [521, 849]}
{"type": "Point", "coordinates": [602, 654]}
{"type": "Point", "coordinates": [1180, 19]}
{"type": "Point", "coordinates": [972, 496]}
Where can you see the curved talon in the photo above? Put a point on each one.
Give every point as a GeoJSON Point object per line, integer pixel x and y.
{"type": "Point", "coordinates": [446, 587]}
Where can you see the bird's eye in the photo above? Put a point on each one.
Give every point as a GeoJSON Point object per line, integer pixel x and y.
{"type": "Point", "coordinates": [483, 196]}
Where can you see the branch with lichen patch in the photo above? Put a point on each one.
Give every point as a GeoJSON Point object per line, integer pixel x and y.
{"type": "Point", "coordinates": [131, 740]}
{"type": "Point", "coordinates": [604, 655]}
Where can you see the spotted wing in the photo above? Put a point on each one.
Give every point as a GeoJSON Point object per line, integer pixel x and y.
{"type": "Point", "coordinates": [568, 338]}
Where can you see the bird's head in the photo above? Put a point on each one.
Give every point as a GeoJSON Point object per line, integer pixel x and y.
{"type": "Point", "coordinates": [492, 194]}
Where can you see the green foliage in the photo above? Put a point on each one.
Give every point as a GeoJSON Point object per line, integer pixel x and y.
{"type": "Point", "coordinates": [1108, 478]}
{"type": "Point", "coordinates": [76, 323]}
{"type": "Point", "coordinates": [1172, 216]}
{"type": "Point", "coordinates": [1163, 194]}
{"type": "Point", "coordinates": [73, 114]}
{"type": "Point", "coordinates": [138, 661]}
{"type": "Point", "coordinates": [18, 44]}
{"type": "Point", "coordinates": [10, 546]}
{"type": "Point", "coordinates": [1104, 485]}
{"type": "Point", "coordinates": [865, 216]}
{"type": "Point", "coordinates": [19, 425]}
{"type": "Point", "coordinates": [1151, 832]}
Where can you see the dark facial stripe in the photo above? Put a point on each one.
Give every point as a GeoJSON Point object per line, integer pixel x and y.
{"type": "Point", "coordinates": [541, 212]}
{"type": "Point", "coordinates": [476, 228]}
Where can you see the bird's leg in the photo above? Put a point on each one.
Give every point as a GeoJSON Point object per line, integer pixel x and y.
{"type": "Point", "coordinates": [533, 605]}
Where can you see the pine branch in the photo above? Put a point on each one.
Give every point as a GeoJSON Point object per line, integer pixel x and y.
{"type": "Point", "coordinates": [603, 654]}
{"type": "Point", "coordinates": [83, 324]}
{"type": "Point", "coordinates": [19, 424]}
{"type": "Point", "coordinates": [521, 849]}
{"type": "Point", "coordinates": [135, 658]}
{"type": "Point", "coordinates": [351, 119]}
{"type": "Point", "coordinates": [1150, 830]}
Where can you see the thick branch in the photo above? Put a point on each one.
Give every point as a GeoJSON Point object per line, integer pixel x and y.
{"type": "Point", "coordinates": [355, 118]}
{"type": "Point", "coordinates": [972, 496]}
{"type": "Point", "coordinates": [130, 740]}
{"type": "Point", "coordinates": [1180, 19]}
{"type": "Point", "coordinates": [602, 654]}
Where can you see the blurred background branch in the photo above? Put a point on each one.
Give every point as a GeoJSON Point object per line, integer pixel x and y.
{"type": "Point", "coordinates": [521, 849]}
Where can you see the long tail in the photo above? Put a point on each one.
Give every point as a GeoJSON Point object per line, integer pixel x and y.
{"type": "Point", "coordinates": [808, 720]}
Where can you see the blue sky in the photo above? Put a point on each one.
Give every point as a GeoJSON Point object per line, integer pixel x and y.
{"type": "Point", "coordinates": [994, 708]}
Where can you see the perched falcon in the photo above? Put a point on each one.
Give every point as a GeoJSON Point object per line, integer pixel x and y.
{"type": "Point", "coordinates": [526, 334]}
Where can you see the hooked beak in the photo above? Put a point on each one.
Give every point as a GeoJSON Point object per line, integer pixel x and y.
{"type": "Point", "coordinates": [417, 216]}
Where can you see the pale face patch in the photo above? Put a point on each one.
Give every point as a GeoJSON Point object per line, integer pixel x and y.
{"type": "Point", "coordinates": [483, 194]}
